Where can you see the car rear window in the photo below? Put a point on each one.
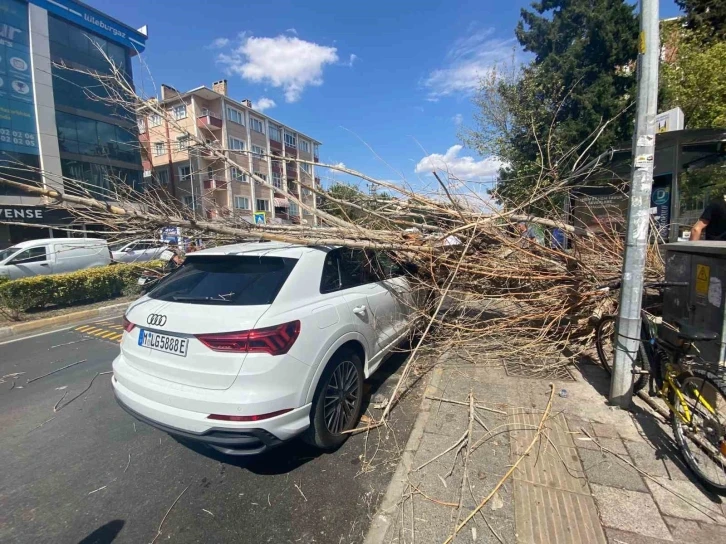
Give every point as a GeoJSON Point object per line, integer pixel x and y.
{"type": "Point", "coordinates": [228, 280]}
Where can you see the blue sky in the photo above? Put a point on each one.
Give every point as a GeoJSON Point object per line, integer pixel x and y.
{"type": "Point", "coordinates": [350, 74]}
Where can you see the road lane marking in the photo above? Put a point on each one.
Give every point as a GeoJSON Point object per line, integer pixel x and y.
{"type": "Point", "coordinates": [84, 328]}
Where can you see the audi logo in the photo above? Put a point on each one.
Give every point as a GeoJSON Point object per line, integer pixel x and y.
{"type": "Point", "coordinates": [156, 319]}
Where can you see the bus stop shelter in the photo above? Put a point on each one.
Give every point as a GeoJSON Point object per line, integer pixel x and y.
{"type": "Point", "coordinates": [689, 170]}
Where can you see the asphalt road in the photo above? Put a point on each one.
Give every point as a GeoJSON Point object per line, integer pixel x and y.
{"type": "Point", "coordinates": [76, 468]}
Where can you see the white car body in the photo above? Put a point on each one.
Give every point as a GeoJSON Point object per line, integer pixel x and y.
{"type": "Point", "coordinates": [53, 256]}
{"type": "Point", "coordinates": [178, 394]}
{"type": "Point", "coordinates": [138, 251]}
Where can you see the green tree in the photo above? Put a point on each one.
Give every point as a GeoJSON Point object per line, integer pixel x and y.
{"type": "Point", "coordinates": [708, 17]}
{"type": "Point", "coordinates": [346, 193]}
{"type": "Point", "coordinates": [577, 89]}
{"type": "Point", "coordinates": [694, 77]}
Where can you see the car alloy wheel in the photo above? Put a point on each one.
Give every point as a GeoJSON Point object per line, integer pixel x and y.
{"type": "Point", "coordinates": [341, 397]}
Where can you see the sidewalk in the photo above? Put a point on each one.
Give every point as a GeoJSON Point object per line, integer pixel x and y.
{"type": "Point", "coordinates": [625, 484]}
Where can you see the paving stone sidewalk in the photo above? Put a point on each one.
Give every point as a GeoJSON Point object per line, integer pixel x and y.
{"type": "Point", "coordinates": [568, 489]}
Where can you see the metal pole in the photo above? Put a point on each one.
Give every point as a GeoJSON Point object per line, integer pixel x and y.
{"type": "Point", "coordinates": [641, 182]}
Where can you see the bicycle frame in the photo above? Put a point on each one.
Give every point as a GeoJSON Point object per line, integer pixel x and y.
{"type": "Point", "coordinates": [669, 383]}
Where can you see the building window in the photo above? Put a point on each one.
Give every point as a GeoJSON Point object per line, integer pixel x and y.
{"type": "Point", "coordinates": [179, 112]}
{"type": "Point", "coordinates": [261, 175]}
{"type": "Point", "coordinates": [83, 136]}
{"type": "Point", "coordinates": [154, 120]}
{"type": "Point", "coordinates": [242, 203]}
{"type": "Point", "coordinates": [162, 177]}
{"type": "Point", "coordinates": [305, 146]}
{"type": "Point", "coordinates": [185, 173]}
{"type": "Point", "coordinates": [306, 167]}
{"type": "Point", "coordinates": [188, 201]}
{"type": "Point", "coordinates": [147, 173]}
{"type": "Point", "coordinates": [238, 175]}
{"type": "Point", "coordinates": [290, 140]}
{"type": "Point", "coordinates": [294, 208]}
{"type": "Point", "coordinates": [262, 205]}
{"type": "Point", "coordinates": [158, 149]}
{"type": "Point", "coordinates": [316, 150]}
{"type": "Point", "coordinates": [275, 133]}
{"type": "Point", "coordinates": [235, 116]}
{"type": "Point", "coordinates": [141, 123]}
{"type": "Point", "coordinates": [183, 142]}
{"type": "Point", "coordinates": [236, 144]}
{"type": "Point", "coordinates": [256, 125]}
{"type": "Point", "coordinates": [277, 180]}
{"type": "Point", "coordinates": [257, 150]}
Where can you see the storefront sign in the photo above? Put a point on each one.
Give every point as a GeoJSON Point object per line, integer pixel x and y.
{"type": "Point", "coordinates": [92, 20]}
{"type": "Point", "coordinates": [18, 132]}
{"type": "Point", "coordinates": [33, 215]}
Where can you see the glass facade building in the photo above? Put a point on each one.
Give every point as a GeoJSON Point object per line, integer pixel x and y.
{"type": "Point", "coordinates": [54, 121]}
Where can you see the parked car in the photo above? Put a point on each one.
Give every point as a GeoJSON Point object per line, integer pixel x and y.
{"type": "Point", "coordinates": [249, 345]}
{"type": "Point", "coordinates": [137, 251]}
{"type": "Point", "coordinates": [53, 256]}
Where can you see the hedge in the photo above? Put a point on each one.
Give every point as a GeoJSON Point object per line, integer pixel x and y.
{"type": "Point", "coordinates": [93, 284]}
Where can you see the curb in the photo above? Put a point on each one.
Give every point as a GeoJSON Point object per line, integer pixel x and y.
{"type": "Point", "coordinates": [12, 331]}
{"type": "Point", "coordinates": [382, 520]}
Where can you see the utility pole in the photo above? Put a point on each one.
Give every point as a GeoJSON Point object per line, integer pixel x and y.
{"type": "Point", "coordinates": [641, 182]}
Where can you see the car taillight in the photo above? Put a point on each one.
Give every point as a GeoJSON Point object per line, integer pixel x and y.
{"type": "Point", "coordinates": [275, 340]}
{"type": "Point", "coordinates": [128, 326]}
{"type": "Point", "coordinates": [221, 417]}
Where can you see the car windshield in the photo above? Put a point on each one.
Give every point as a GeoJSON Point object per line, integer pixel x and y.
{"type": "Point", "coordinates": [5, 253]}
{"type": "Point", "coordinates": [117, 246]}
{"type": "Point", "coordinates": [228, 280]}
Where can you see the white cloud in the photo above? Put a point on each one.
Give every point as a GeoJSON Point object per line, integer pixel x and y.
{"type": "Point", "coordinates": [353, 57]}
{"type": "Point", "coordinates": [292, 31]}
{"type": "Point", "coordinates": [458, 119]}
{"type": "Point", "coordinates": [218, 43]}
{"type": "Point", "coordinates": [283, 61]}
{"type": "Point", "coordinates": [468, 60]}
{"type": "Point", "coordinates": [263, 104]}
{"type": "Point", "coordinates": [463, 168]}
{"type": "Point", "coordinates": [340, 165]}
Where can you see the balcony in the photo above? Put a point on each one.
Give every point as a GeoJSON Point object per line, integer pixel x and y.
{"type": "Point", "coordinates": [215, 184]}
{"type": "Point", "coordinates": [206, 152]}
{"type": "Point", "coordinates": [210, 121]}
{"type": "Point", "coordinates": [275, 146]}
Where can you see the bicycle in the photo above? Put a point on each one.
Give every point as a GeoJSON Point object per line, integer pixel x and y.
{"type": "Point", "coordinates": [695, 396]}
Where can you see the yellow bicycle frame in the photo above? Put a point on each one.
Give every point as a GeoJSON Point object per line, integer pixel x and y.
{"type": "Point", "coordinates": [670, 383]}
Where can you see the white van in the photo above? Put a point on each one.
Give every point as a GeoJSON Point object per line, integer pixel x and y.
{"type": "Point", "coordinates": [53, 256]}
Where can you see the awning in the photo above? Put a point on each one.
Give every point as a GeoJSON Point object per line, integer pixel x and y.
{"type": "Point", "coordinates": [281, 203]}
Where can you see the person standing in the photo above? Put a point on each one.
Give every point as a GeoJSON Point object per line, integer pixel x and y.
{"type": "Point", "coordinates": [712, 222]}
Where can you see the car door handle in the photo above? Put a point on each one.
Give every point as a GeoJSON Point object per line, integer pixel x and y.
{"type": "Point", "coordinates": [44, 264]}
{"type": "Point", "coordinates": [359, 310]}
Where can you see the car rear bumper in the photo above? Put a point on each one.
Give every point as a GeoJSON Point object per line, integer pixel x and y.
{"type": "Point", "coordinates": [247, 442]}
{"type": "Point", "coordinates": [229, 437]}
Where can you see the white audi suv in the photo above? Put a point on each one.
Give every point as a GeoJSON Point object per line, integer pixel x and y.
{"type": "Point", "coordinates": [248, 345]}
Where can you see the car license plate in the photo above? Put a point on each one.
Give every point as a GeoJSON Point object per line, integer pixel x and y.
{"type": "Point", "coordinates": [163, 342]}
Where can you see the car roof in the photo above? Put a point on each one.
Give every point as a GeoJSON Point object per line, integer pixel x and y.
{"type": "Point", "coordinates": [262, 248]}
{"type": "Point", "coordinates": [40, 241]}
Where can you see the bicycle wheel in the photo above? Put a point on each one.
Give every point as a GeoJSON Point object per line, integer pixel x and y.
{"type": "Point", "coordinates": [605, 344]}
{"type": "Point", "coordinates": [703, 440]}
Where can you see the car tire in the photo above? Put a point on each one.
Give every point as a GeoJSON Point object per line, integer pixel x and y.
{"type": "Point", "coordinates": [328, 422]}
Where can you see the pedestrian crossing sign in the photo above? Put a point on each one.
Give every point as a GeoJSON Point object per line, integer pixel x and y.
{"type": "Point", "coordinates": [259, 218]}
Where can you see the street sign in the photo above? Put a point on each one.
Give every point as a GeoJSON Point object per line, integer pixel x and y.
{"type": "Point", "coordinates": [669, 121]}
{"type": "Point", "coordinates": [260, 218]}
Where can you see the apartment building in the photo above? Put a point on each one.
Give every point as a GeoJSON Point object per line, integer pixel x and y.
{"type": "Point", "coordinates": [209, 186]}
{"type": "Point", "coordinates": [49, 127]}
